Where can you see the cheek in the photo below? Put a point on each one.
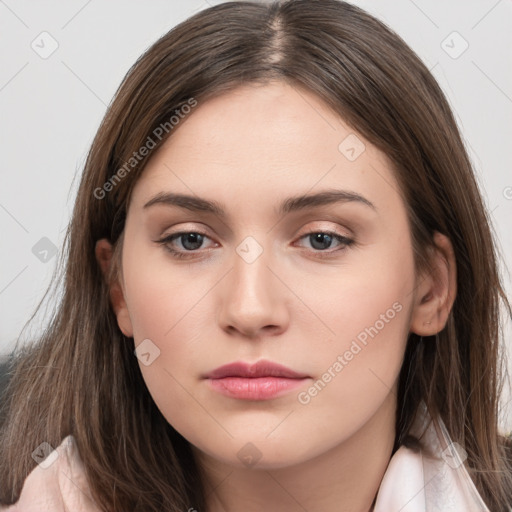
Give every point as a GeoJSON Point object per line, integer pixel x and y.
{"type": "Point", "coordinates": [369, 310]}
{"type": "Point", "coordinates": [166, 308]}
{"type": "Point", "coordinates": [161, 295]}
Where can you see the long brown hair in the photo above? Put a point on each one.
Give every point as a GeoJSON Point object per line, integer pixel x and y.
{"type": "Point", "coordinates": [82, 377]}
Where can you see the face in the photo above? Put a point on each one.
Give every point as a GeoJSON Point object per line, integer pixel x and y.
{"type": "Point", "coordinates": [323, 288]}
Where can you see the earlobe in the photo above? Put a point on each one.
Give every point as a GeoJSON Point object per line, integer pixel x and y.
{"type": "Point", "coordinates": [104, 253]}
{"type": "Point", "coordinates": [435, 294]}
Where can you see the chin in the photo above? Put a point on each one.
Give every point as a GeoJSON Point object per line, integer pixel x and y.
{"type": "Point", "coordinates": [260, 453]}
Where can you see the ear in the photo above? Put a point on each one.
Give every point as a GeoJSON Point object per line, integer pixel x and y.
{"type": "Point", "coordinates": [436, 290]}
{"type": "Point", "coordinates": [104, 252]}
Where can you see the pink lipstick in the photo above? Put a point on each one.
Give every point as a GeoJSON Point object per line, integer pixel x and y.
{"type": "Point", "coordinates": [260, 381]}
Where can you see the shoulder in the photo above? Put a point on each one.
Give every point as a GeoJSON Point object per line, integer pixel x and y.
{"type": "Point", "coordinates": [57, 483]}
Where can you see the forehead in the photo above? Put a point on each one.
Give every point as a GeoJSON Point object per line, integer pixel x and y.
{"type": "Point", "coordinates": [260, 143]}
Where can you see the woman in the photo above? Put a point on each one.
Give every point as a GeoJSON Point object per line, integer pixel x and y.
{"type": "Point", "coordinates": [209, 351]}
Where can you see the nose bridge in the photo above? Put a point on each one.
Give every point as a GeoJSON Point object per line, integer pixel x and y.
{"type": "Point", "coordinates": [250, 276]}
{"type": "Point", "coordinates": [250, 272]}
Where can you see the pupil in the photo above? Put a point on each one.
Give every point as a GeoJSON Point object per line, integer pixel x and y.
{"type": "Point", "coordinates": [320, 238]}
{"type": "Point", "coordinates": [195, 238]}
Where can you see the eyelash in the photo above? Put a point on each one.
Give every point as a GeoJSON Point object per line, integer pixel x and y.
{"type": "Point", "coordinates": [347, 242]}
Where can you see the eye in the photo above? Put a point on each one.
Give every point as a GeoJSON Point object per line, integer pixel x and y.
{"type": "Point", "coordinates": [322, 240]}
{"type": "Point", "coordinates": [191, 241]}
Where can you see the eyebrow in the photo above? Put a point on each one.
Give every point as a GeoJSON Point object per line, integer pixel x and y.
{"type": "Point", "coordinates": [291, 204]}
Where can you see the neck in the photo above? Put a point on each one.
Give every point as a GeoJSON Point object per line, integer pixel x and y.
{"type": "Point", "coordinates": [346, 477]}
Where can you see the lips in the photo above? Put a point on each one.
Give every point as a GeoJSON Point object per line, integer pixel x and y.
{"type": "Point", "coordinates": [260, 369]}
{"type": "Point", "coordinates": [263, 380]}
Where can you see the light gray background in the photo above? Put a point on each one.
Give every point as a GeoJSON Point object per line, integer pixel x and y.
{"type": "Point", "coordinates": [51, 108]}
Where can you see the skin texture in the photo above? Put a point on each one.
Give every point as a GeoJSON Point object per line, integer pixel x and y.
{"type": "Point", "coordinates": [249, 150]}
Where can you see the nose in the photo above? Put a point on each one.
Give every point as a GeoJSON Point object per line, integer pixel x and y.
{"type": "Point", "coordinates": [253, 300]}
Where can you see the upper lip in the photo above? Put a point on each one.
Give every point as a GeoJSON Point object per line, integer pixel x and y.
{"type": "Point", "coordinates": [260, 369]}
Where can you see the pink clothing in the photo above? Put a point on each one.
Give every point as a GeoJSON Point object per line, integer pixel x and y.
{"type": "Point", "coordinates": [60, 487]}
{"type": "Point", "coordinates": [412, 482]}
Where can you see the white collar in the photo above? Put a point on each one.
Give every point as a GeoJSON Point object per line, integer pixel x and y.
{"type": "Point", "coordinates": [416, 482]}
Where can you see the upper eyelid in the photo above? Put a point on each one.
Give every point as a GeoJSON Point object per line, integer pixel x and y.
{"type": "Point", "coordinates": [204, 231]}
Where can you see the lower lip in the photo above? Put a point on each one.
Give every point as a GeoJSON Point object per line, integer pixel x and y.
{"type": "Point", "coordinates": [255, 388]}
